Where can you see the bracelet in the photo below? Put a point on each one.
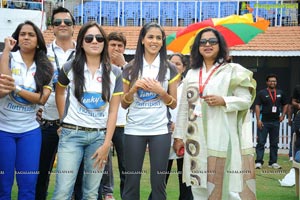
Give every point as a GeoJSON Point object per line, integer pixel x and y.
{"type": "Point", "coordinates": [125, 100]}
{"type": "Point", "coordinates": [170, 103]}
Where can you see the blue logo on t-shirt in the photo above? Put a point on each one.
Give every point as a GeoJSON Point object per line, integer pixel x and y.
{"type": "Point", "coordinates": [20, 99]}
{"type": "Point", "coordinates": [92, 100]}
{"type": "Point", "coordinates": [55, 76]}
{"type": "Point", "coordinates": [146, 95]}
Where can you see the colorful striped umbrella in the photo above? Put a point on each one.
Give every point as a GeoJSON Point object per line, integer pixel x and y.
{"type": "Point", "coordinates": [236, 30]}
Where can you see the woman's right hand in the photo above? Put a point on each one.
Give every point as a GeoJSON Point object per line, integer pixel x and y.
{"type": "Point", "coordinates": [177, 145]}
{"type": "Point", "coordinates": [9, 42]}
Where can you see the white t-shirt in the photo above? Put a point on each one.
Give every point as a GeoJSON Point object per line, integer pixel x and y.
{"type": "Point", "coordinates": [92, 111]}
{"type": "Point", "coordinates": [148, 115]}
{"type": "Point", "coordinates": [17, 115]}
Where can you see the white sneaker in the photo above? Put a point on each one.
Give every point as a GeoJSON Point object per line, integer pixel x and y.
{"type": "Point", "coordinates": [258, 165]}
{"type": "Point", "coordinates": [275, 166]}
{"type": "Point", "coordinates": [291, 159]}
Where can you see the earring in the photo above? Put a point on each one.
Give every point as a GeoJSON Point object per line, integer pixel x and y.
{"type": "Point", "coordinates": [37, 46]}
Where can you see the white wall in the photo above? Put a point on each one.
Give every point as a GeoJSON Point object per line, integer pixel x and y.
{"type": "Point", "coordinates": [11, 18]}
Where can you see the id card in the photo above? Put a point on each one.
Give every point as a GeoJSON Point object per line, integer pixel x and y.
{"type": "Point", "coordinates": [274, 109]}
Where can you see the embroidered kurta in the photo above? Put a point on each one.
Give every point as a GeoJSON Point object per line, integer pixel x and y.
{"type": "Point", "coordinates": [217, 131]}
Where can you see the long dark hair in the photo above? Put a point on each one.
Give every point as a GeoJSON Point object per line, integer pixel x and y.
{"type": "Point", "coordinates": [44, 69]}
{"type": "Point", "coordinates": [197, 58]}
{"type": "Point", "coordinates": [80, 59]}
{"type": "Point", "coordinates": [137, 64]}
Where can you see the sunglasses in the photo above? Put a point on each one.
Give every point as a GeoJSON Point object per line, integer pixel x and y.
{"type": "Point", "coordinates": [211, 41]}
{"type": "Point", "coordinates": [58, 22]}
{"type": "Point", "coordinates": [89, 38]}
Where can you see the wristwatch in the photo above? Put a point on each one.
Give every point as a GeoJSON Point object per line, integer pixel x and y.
{"type": "Point", "coordinates": [18, 89]}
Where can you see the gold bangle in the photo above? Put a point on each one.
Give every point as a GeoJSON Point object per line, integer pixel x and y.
{"type": "Point", "coordinates": [170, 103]}
{"type": "Point", "coordinates": [125, 100]}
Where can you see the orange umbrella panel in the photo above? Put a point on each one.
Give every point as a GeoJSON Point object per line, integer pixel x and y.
{"type": "Point", "coordinates": [240, 31]}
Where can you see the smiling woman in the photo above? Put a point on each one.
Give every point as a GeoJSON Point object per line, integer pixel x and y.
{"type": "Point", "coordinates": [218, 160]}
{"type": "Point", "coordinates": [150, 86]}
{"type": "Point", "coordinates": [88, 114]}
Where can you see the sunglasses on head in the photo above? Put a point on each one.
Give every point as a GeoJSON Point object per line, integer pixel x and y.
{"type": "Point", "coordinates": [58, 22]}
{"type": "Point", "coordinates": [211, 41]}
{"type": "Point", "coordinates": [89, 38]}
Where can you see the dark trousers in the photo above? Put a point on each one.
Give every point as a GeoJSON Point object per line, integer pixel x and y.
{"type": "Point", "coordinates": [185, 192]}
{"type": "Point", "coordinates": [47, 157]}
{"type": "Point", "coordinates": [271, 128]}
{"type": "Point", "coordinates": [159, 149]}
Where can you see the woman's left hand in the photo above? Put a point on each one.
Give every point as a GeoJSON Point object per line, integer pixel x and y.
{"type": "Point", "coordinates": [214, 100]}
{"type": "Point", "coordinates": [100, 156]}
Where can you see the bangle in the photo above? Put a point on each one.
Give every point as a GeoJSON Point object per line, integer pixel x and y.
{"type": "Point", "coordinates": [18, 89]}
{"type": "Point", "coordinates": [125, 100]}
{"type": "Point", "coordinates": [170, 103]}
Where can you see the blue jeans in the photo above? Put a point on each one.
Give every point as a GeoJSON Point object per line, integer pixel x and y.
{"type": "Point", "coordinates": [20, 153]}
{"type": "Point", "coordinates": [271, 128]}
{"type": "Point", "coordinates": [73, 146]}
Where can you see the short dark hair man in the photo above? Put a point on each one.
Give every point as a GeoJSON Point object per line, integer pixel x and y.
{"type": "Point", "coordinates": [270, 102]}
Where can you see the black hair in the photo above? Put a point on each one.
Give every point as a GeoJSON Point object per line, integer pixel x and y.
{"type": "Point", "coordinates": [185, 62]}
{"type": "Point", "coordinates": [118, 36]}
{"type": "Point", "coordinates": [137, 64]}
{"type": "Point", "coordinates": [44, 68]}
{"type": "Point", "coordinates": [271, 76]}
{"type": "Point", "coordinates": [197, 58]}
{"type": "Point", "coordinates": [80, 59]}
{"type": "Point", "coordinates": [61, 10]}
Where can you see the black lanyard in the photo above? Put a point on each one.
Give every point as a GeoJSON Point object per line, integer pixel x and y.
{"type": "Point", "coordinates": [56, 59]}
{"type": "Point", "coordinates": [57, 63]}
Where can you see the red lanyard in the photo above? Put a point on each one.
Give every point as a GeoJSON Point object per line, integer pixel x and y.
{"type": "Point", "coordinates": [201, 87]}
{"type": "Point", "coordinates": [273, 98]}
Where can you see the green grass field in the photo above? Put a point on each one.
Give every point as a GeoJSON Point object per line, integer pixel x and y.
{"type": "Point", "coordinates": [267, 184]}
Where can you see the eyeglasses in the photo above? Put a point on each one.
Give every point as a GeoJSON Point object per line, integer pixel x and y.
{"type": "Point", "coordinates": [89, 38]}
{"type": "Point", "coordinates": [58, 22]}
{"type": "Point", "coordinates": [211, 41]}
{"type": "Point", "coordinates": [272, 81]}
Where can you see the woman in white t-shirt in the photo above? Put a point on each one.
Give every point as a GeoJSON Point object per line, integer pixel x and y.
{"type": "Point", "coordinates": [89, 113]}
{"type": "Point", "coordinates": [24, 59]}
{"type": "Point", "coordinates": [150, 87]}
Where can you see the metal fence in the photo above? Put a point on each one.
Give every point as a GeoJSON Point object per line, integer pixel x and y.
{"type": "Point", "coordinates": [166, 12]}
{"type": "Point", "coordinates": [284, 134]}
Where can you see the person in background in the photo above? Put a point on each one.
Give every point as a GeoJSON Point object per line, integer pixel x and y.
{"type": "Point", "coordinates": [116, 49]}
{"type": "Point", "coordinates": [213, 123]}
{"type": "Point", "coordinates": [290, 115]}
{"type": "Point", "coordinates": [24, 58]}
{"type": "Point", "coordinates": [185, 192]}
{"type": "Point", "coordinates": [59, 51]}
{"type": "Point", "coordinates": [150, 88]}
{"type": "Point", "coordinates": [89, 114]}
{"type": "Point", "coordinates": [296, 108]}
{"type": "Point", "coordinates": [270, 109]}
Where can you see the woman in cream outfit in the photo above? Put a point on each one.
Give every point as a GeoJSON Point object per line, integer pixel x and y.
{"type": "Point", "coordinates": [213, 123]}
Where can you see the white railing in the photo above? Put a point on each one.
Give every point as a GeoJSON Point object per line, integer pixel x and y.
{"type": "Point", "coordinates": [284, 134]}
